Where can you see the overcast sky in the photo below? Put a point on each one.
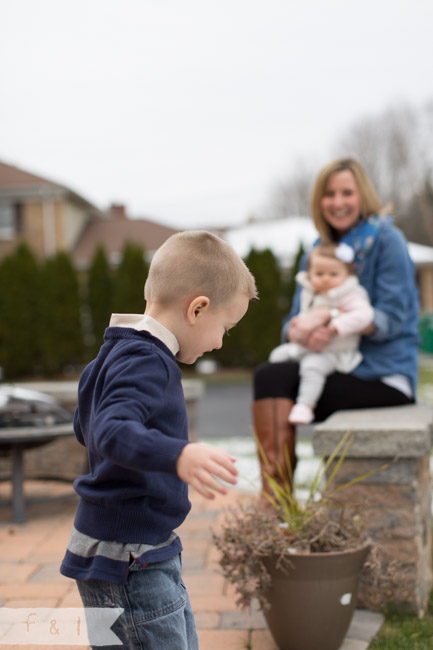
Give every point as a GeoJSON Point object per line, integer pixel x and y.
{"type": "Point", "coordinates": [190, 111]}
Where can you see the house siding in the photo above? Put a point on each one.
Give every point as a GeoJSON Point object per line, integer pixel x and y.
{"type": "Point", "coordinates": [73, 222]}
{"type": "Point", "coordinates": [33, 230]}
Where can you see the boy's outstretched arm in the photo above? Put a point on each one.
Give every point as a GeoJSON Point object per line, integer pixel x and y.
{"type": "Point", "coordinates": [200, 465]}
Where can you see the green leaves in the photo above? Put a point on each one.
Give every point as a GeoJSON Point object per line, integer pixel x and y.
{"type": "Point", "coordinates": [295, 514]}
{"type": "Point", "coordinates": [130, 276]}
{"type": "Point", "coordinates": [52, 318]}
{"type": "Point", "coordinates": [99, 298]}
{"type": "Point", "coordinates": [20, 315]}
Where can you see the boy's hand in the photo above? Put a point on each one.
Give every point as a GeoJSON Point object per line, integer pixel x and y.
{"type": "Point", "coordinates": [200, 465]}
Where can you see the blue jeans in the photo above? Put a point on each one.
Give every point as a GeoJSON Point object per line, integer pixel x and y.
{"type": "Point", "coordinates": [158, 612]}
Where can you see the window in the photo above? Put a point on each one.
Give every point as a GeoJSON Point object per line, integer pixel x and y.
{"type": "Point", "coordinates": [10, 219]}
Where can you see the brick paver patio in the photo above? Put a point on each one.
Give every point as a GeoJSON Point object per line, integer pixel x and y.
{"type": "Point", "coordinates": [30, 555]}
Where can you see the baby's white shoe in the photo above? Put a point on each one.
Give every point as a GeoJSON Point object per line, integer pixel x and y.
{"type": "Point", "coordinates": [301, 414]}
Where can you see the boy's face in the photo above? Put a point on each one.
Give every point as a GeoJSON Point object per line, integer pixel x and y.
{"type": "Point", "coordinates": [206, 334]}
{"type": "Point", "coordinates": [326, 273]}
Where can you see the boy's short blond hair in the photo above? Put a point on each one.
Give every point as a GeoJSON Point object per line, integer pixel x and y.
{"type": "Point", "coordinates": [195, 263]}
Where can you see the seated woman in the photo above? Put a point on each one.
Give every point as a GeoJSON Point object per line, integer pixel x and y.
{"type": "Point", "coordinates": [345, 208]}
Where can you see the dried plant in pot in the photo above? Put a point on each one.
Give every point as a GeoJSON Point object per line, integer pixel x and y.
{"type": "Point", "coordinates": [300, 559]}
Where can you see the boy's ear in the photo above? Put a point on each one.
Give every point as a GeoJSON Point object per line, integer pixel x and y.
{"type": "Point", "coordinates": [196, 308]}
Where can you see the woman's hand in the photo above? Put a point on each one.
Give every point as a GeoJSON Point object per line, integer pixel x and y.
{"type": "Point", "coordinates": [303, 325]}
{"type": "Point", "coordinates": [370, 329]}
{"type": "Point", "coordinates": [320, 338]}
{"type": "Point", "coordinates": [294, 334]}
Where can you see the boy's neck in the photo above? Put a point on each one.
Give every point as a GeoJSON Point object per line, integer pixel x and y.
{"type": "Point", "coordinates": [169, 316]}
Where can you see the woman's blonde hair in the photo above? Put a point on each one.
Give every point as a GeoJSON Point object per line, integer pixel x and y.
{"type": "Point", "coordinates": [195, 263]}
{"type": "Point", "coordinates": [370, 203]}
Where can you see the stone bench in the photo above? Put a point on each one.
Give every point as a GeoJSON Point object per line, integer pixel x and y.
{"type": "Point", "coordinates": [394, 503]}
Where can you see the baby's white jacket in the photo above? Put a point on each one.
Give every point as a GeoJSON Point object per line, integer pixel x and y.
{"type": "Point", "coordinates": [355, 313]}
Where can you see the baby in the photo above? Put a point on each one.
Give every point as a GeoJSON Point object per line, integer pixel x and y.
{"type": "Point", "coordinates": [329, 281]}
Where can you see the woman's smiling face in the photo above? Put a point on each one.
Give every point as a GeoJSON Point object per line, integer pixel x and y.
{"type": "Point", "coordinates": [341, 201]}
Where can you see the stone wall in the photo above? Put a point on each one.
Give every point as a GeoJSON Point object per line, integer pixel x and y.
{"type": "Point", "coordinates": [394, 503]}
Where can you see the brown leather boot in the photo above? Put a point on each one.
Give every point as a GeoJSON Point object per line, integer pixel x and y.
{"type": "Point", "coordinates": [274, 432]}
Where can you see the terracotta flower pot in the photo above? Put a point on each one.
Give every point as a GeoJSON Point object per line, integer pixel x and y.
{"type": "Point", "coordinates": [312, 605]}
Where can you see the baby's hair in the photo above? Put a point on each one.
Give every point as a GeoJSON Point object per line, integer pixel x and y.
{"type": "Point", "coordinates": [330, 250]}
{"type": "Point", "coordinates": [195, 263]}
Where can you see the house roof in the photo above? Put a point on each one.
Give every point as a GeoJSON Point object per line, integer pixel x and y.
{"type": "Point", "coordinates": [113, 233]}
{"type": "Point", "coordinates": [11, 176]}
{"type": "Point", "coordinates": [18, 184]}
{"type": "Point", "coordinates": [111, 229]}
{"type": "Point", "coordinates": [420, 254]}
{"type": "Point", "coordinates": [283, 237]}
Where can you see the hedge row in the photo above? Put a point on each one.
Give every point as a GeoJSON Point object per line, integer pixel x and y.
{"type": "Point", "coordinates": [52, 319]}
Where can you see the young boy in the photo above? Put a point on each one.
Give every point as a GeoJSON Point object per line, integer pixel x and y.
{"type": "Point", "coordinates": [131, 416]}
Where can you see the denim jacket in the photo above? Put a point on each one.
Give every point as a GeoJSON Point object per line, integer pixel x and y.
{"type": "Point", "coordinates": [387, 272]}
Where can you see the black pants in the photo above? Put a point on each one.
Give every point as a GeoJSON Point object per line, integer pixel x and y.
{"type": "Point", "coordinates": [341, 392]}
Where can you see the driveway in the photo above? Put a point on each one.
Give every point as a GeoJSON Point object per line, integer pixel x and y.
{"type": "Point", "coordinates": [224, 411]}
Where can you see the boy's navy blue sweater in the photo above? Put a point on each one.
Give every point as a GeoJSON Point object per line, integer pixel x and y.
{"type": "Point", "coordinates": [131, 416]}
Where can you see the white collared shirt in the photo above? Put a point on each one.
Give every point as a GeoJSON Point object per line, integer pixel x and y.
{"type": "Point", "coordinates": [142, 322]}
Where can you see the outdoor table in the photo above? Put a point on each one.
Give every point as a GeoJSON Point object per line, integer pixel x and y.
{"type": "Point", "coordinates": [17, 440]}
